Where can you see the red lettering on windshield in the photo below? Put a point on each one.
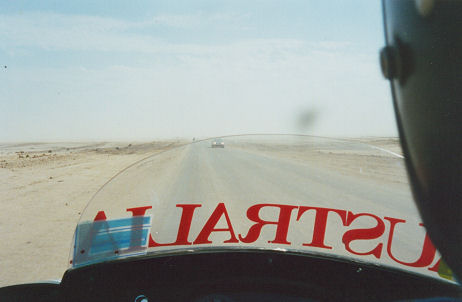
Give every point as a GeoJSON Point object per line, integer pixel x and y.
{"type": "Point", "coordinates": [183, 228]}
{"type": "Point", "coordinates": [209, 226]}
{"type": "Point", "coordinates": [100, 216]}
{"type": "Point", "coordinates": [320, 224]}
{"type": "Point", "coordinates": [139, 211]}
{"type": "Point", "coordinates": [435, 267]}
{"type": "Point", "coordinates": [428, 250]}
{"type": "Point", "coordinates": [253, 213]}
{"type": "Point", "coordinates": [364, 234]}
{"type": "Point", "coordinates": [282, 224]}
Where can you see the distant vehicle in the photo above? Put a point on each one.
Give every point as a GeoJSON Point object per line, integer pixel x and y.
{"type": "Point", "coordinates": [218, 143]}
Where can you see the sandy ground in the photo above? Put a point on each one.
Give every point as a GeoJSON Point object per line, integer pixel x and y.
{"type": "Point", "coordinates": [367, 158]}
{"type": "Point", "coordinates": [45, 187]}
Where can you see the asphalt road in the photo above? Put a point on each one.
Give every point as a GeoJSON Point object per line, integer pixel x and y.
{"type": "Point", "coordinates": [239, 175]}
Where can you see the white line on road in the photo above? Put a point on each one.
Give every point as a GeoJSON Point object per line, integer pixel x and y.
{"type": "Point", "coordinates": [385, 150]}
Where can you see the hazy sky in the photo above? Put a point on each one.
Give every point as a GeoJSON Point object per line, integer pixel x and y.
{"type": "Point", "coordinates": [78, 70]}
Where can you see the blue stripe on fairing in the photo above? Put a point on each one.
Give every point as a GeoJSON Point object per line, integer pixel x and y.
{"type": "Point", "coordinates": [123, 222]}
{"type": "Point", "coordinates": [113, 241]}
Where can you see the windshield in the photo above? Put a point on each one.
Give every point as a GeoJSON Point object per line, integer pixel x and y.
{"type": "Point", "coordinates": [198, 127]}
{"type": "Point", "coordinates": [310, 195]}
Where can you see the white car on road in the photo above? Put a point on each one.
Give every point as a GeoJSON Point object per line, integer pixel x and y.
{"type": "Point", "coordinates": [218, 143]}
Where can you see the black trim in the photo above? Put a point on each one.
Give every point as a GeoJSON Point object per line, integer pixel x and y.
{"type": "Point", "coordinates": [184, 277]}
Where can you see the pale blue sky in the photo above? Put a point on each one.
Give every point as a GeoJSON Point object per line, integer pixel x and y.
{"type": "Point", "coordinates": [120, 70]}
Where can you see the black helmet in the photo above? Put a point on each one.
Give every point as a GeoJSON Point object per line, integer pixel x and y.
{"type": "Point", "coordinates": [423, 61]}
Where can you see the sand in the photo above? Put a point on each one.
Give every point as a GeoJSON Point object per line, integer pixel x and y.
{"type": "Point", "coordinates": [43, 189]}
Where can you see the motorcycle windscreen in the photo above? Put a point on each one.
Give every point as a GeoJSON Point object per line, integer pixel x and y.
{"type": "Point", "coordinates": [346, 199]}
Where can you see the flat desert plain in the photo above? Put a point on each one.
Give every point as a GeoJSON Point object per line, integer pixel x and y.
{"type": "Point", "coordinates": [44, 187]}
